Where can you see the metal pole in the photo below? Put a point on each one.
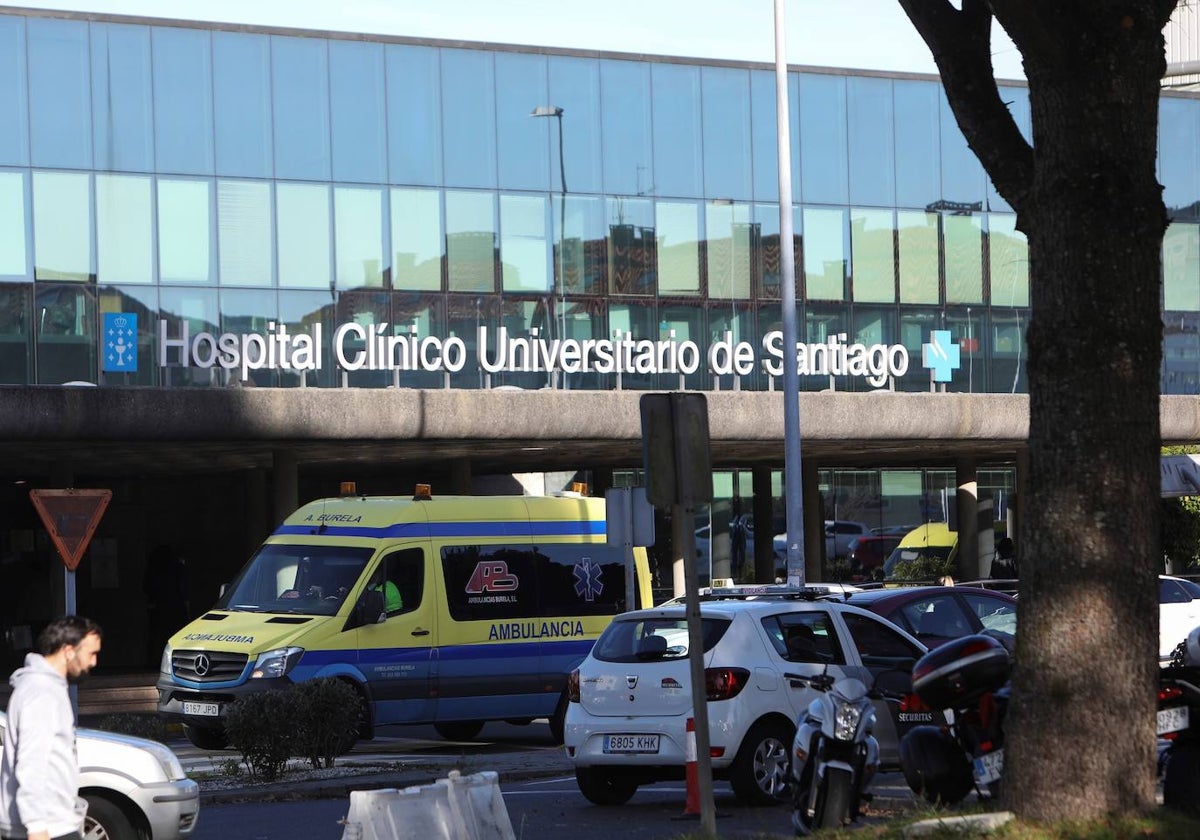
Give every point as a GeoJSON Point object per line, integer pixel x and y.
{"type": "Point", "coordinates": [787, 261]}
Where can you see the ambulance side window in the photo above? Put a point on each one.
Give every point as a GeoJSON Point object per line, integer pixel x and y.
{"type": "Point", "coordinates": [403, 580]}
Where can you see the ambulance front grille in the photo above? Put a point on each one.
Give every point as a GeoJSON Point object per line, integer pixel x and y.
{"type": "Point", "coordinates": [207, 666]}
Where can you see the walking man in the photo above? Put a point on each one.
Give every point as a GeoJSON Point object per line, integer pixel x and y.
{"type": "Point", "coordinates": [39, 773]}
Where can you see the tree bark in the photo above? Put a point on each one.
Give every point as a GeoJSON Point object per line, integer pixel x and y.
{"type": "Point", "coordinates": [1080, 733]}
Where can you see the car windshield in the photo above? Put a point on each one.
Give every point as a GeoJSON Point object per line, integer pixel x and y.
{"type": "Point", "coordinates": [653, 639]}
{"type": "Point", "coordinates": [303, 579]}
{"type": "Point", "coordinates": [911, 553]}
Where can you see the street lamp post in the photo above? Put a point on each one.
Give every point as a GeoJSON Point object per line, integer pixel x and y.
{"type": "Point", "coordinates": [557, 113]}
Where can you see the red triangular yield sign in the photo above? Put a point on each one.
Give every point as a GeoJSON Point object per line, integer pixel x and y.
{"type": "Point", "coordinates": [71, 517]}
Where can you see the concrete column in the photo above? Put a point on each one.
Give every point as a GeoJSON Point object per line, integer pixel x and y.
{"type": "Point", "coordinates": [764, 528]}
{"type": "Point", "coordinates": [285, 482]}
{"type": "Point", "coordinates": [814, 522]}
{"type": "Point", "coordinates": [968, 526]}
{"type": "Point", "coordinates": [460, 477]}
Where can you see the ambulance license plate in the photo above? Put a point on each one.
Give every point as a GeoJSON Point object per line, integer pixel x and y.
{"type": "Point", "coordinates": [631, 743]}
{"type": "Point", "coordinates": [202, 709]}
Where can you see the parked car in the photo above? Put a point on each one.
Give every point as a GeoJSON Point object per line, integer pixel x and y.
{"type": "Point", "coordinates": [867, 554]}
{"type": "Point", "coordinates": [631, 698]}
{"type": "Point", "coordinates": [938, 614]}
{"type": "Point", "coordinates": [839, 533]}
{"type": "Point", "coordinates": [1178, 613]}
{"type": "Point", "coordinates": [135, 788]}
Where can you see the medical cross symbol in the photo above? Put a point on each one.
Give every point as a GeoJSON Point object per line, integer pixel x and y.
{"type": "Point", "coordinates": [940, 355]}
{"type": "Point", "coordinates": [587, 579]}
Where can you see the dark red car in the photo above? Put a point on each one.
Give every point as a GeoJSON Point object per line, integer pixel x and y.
{"type": "Point", "coordinates": [937, 614]}
{"type": "Point", "coordinates": [867, 554]}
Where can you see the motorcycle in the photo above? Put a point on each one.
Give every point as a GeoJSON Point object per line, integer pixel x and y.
{"type": "Point", "coordinates": [1178, 726]}
{"type": "Point", "coordinates": [969, 677]}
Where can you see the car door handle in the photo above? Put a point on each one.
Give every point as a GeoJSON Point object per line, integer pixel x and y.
{"type": "Point", "coordinates": [420, 632]}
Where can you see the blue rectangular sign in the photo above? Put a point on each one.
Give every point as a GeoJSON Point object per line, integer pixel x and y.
{"type": "Point", "coordinates": [120, 342]}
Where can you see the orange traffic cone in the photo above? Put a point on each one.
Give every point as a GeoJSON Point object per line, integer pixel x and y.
{"type": "Point", "coordinates": [692, 808]}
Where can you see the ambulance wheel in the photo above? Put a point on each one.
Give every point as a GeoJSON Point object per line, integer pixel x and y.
{"type": "Point", "coordinates": [206, 739]}
{"type": "Point", "coordinates": [602, 786]}
{"type": "Point", "coordinates": [558, 720]}
{"type": "Point", "coordinates": [458, 730]}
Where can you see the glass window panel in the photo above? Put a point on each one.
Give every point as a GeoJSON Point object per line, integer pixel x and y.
{"type": "Point", "coordinates": [414, 110]}
{"type": "Point", "coordinates": [469, 111]}
{"type": "Point", "coordinates": [967, 330]}
{"type": "Point", "coordinates": [14, 112]}
{"type": "Point", "coordinates": [918, 235]}
{"type": "Point", "coordinates": [963, 240]}
{"type": "Point", "coordinates": [356, 102]}
{"type": "Point", "coordinates": [1178, 151]}
{"type": "Point", "coordinates": [358, 227]}
{"type": "Point", "coordinates": [636, 318]}
{"type": "Point", "coordinates": [520, 318]}
{"type": "Point", "coordinates": [242, 104]}
{"type": "Point", "coordinates": [678, 235]}
{"type": "Point", "coordinates": [728, 252]}
{"type": "Point", "coordinates": [764, 136]}
{"type": "Point", "coordinates": [464, 315]}
{"type": "Point", "coordinates": [872, 325]}
{"type": "Point", "coordinates": [301, 312]}
{"type": "Point", "coordinates": [417, 239]}
{"type": "Point", "coordinates": [183, 110]}
{"type": "Point", "coordinates": [471, 241]}
{"type": "Point", "coordinates": [736, 320]}
{"type": "Point", "coordinates": [823, 138]}
{"type": "Point", "coordinates": [1008, 354]}
{"type": "Point", "coordinates": [1181, 353]}
{"type": "Point", "coordinates": [1181, 267]}
{"type": "Point", "coordinates": [124, 229]}
{"type": "Point", "coordinates": [143, 302]}
{"type": "Point", "coordinates": [244, 240]}
{"type": "Point", "coordinates": [726, 110]}
{"type": "Point", "coordinates": [680, 323]}
{"type": "Point", "coordinates": [575, 87]}
{"type": "Point", "coordinates": [915, 326]}
{"type": "Point", "coordinates": [873, 257]}
{"type": "Point", "coordinates": [305, 237]}
{"type": "Point", "coordinates": [825, 254]}
{"type": "Point", "coordinates": [14, 253]}
{"type": "Point", "coordinates": [122, 99]}
{"type": "Point", "coordinates": [962, 174]}
{"type": "Point", "coordinates": [523, 143]}
{"type": "Point", "coordinates": [425, 313]}
{"type": "Point", "coordinates": [820, 322]}
{"type": "Point", "coordinates": [523, 246]}
{"type": "Point", "coordinates": [1008, 257]}
{"type": "Point", "coordinates": [871, 142]}
{"type": "Point", "coordinates": [1017, 100]}
{"type": "Point", "coordinates": [767, 264]}
{"type": "Point", "coordinates": [66, 333]}
{"type": "Point", "coordinates": [677, 144]}
{"type": "Point", "coordinates": [62, 226]}
{"type": "Point", "coordinates": [581, 257]}
{"type": "Point", "coordinates": [197, 308]}
{"type": "Point", "coordinates": [300, 82]}
{"type": "Point", "coordinates": [628, 150]}
{"type": "Point", "coordinates": [632, 247]}
{"type": "Point", "coordinates": [918, 179]}
{"type": "Point", "coordinates": [367, 308]}
{"type": "Point", "coordinates": [60, 104]}
{"type": "Point", "coordinates": [185, 231]}
{"type": "Point", "coordinates": [249, 311]}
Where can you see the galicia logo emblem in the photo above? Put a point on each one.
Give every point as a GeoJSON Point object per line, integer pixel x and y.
{"type": "Point", "coordinates": [941, 355]}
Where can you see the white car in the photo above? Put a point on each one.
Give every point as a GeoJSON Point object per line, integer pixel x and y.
{"type": "Point", "coordinates": [1178, 613]}
{"type": "Point", "coordinates": [134, 788]}
{"type": "Point", "coordinates": [839, 533]}
{"type": "Point", "coordinates": [631, 698]}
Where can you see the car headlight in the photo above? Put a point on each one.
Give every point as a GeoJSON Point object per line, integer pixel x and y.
{"type": "Point", "coordinates": [171, 767]}
{"type": "Point", "coordinates": [276, 663]}
{"type": "Point", "coordinates": [846, 720]}
{"type": "Point", "coordinates": [164, 664]}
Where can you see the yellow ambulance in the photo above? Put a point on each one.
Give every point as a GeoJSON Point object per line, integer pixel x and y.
{"type": "Point", "coordinates": [450, 610]}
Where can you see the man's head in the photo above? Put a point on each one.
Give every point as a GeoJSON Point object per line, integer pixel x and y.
{"type": "Point", "coordinates": [71, 644]}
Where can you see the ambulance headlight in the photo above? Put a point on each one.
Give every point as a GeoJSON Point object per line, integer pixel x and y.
{"type": "Point", "coordinates": [164, 664]}
{"type": "Point", "coordinates": [276, 663]}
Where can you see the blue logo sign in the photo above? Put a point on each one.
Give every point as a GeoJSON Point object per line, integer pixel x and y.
{"type": "Point", "coordinates": [120, 342]}
{"type": "Point", "coordinates": [587, 579]}
{"type": "Point", "coordinates": [940, 355]}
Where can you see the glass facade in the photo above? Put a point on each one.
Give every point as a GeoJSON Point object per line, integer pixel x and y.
{"type": "Point", "coordinates": [236, 180]}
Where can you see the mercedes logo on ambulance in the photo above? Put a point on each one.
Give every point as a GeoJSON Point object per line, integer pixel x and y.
{"type": "Point", "coordinates": [201, 664]}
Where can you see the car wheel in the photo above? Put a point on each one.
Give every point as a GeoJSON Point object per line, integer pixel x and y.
{"type": "Point", "coordinates": [1181, 779]}
{"type": "Point", "coordinates": [458, 730]}
{"type": "Point", "coordinates": [759, 775]}
{"type": "Point", "coordinates": [105, 821]}
{"type": "Point", "coordinates": [206, 739]}
{"type": "Point", "coordinates": [604, 787]}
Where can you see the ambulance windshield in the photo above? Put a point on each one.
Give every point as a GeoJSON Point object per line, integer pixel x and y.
{"type": "Point", "coordinates": [301, 579]}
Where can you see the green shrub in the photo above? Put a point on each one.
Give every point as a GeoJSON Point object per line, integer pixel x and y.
{"type": "Point", "coordinates": [837, 571]}
{"type": "Point", "coordinates": [139, 725]}
{"type": "Point", "coordinates": [327, 720]}
{"type": "Point", "coordinates": [924, 568]}
{"type": "Point", "coordinates": [262, 726]}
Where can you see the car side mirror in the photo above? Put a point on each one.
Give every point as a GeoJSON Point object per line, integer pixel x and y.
{"type": "Point", "coordinates": [369, 610]}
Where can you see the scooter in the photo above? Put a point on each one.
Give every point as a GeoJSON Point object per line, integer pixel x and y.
{"type": "Point", "coordinates": [1178, 726]}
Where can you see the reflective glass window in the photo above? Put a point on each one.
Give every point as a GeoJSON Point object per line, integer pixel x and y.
{"type": "Point", "coordinates": [185, 231]}
{"type": "Point", "coordinates": [464, 316]}
{"type": "Point", "coordinates": [580, 254]}
{"type": "Point", "coordinates": [60, 106]}
{"type": "Point", "coordinates": [915, 326]}
{"type": "Point", "coordinates": [1017, 101]}
{"type": "Point", "coordinates": [728, 253]}
{"type": "Point", "coordinates": [764, 136]}
{"type": "Point", "coordinates": [358, 232]}
{"type": "Point", "coordinates": [143, 302]}
{"type": "Point", "coordinates": [918, 239]}
{"type": "Point", "coordinates": [520, 317]}
{"type": "Point", "coordinates": [62, 226]}
{"type": "Point", "coordinates": [523, 246]}
{"type": "Point", "coordinates": [872, 142]}
{"type": "Point", "coordinates": [919, 178]}
{"type": "Point", "coordinates": [183, 109]}
{"type": "Point", "coordinates": [14, 96]}
{"type": "Point", "coordinates": [823, 138]}
{"type": "Point", "coordinates": [872, 325]}
{"type": "Point", "coordinates": [962, 174]}
{"type": "Point", "coordinates": [734, 322]}
{"type": "Point", "coordinates": [424, 314]}
{"type": "Point", "coordinates": [122, 99]}
{"type": "Point", "coordinates": [417, 239]}
{"type": "Point", "coordinates": [628, 128]}
{"type": "Point", "coordinates": [14, 250]}
{"type": "Point", "coordinates": [301, 312]}
{"type": "Point", "coordinates": [242, 104]}
{"type": "Point", "coordinates": [575, 87]}
{"type": "Point", "coordinates": [962, 238]}
{"type": "Point", "coordinates": [414, 115]}
{"type": "Point", "coordinates": [124, 229]}
{"type": "Point", "coordinates": [1181, 267]}
{"type": "Point", "coordinates": [244, 240]}
{"type": "Point", "coordinates": [632, 250]}
{"type": "Point", "coordinates": [300, 84]}
{"type": "Point", "coordinates": [469, 112]}
{"type": "Point", "coordinates": [198, 309]}
{"type": "Point", "coordinates": [66, 333]}
{"type": "Point", "coordinates": [1178, 151]}
{"type": "Point", "coordinates": [471, 241]}
{"type": "Point", "coordinates": [873, 255]}
{"type": "Point", "coordinates": [726, 110]}
{"type": "Point", "coordinates": [967, 330]}
{"type": "Point", "coordinates": [249, 311]}
{"type": "Point", "coordinates": [1007, 352]}
{"type": "Point", "coordinates": [369, 309]}
{"type": "Point", "coordinates": [302, 219]}
{"type": "Point", "coordinates": [821, 321]}
{"type": "Point", "coordinates": [1008, 261]}
{"type": "Point", "coordinates": [677, 229]}
{"type": "Point", "coordinates": [677, 137]}
{"type": "Point", "coordinates": [357, 111]}
{"type": "Point", "coordinates": [825, 254]}
{"type": "Point", "coordinates": [680, 322]}
{"type": "Point", "coordinates": [523, 142]}
{"type": "Point", "coordinates": [767, 265]}
{"type": "Point", "coordinates": [636, 318]}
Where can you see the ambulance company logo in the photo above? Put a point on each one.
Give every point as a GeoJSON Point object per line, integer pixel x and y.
{"type": "Point", "coordinates": [120, 342]}
{"type": "Point", "coordinates": [491, 576]}
{"type": "Point", "coordinates": [940, 355]}
{"type": "Point", "coordinates": [587, 579]}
